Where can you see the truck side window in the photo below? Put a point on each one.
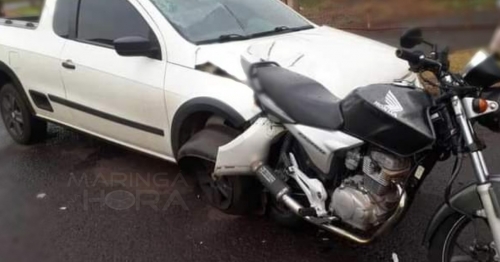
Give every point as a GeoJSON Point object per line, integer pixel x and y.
{"type": "Point", "coordinates": [21, 10]}
{"type": "Point", "coordinates": [65, 15]}
{"type": "Point", "coordinates": [102, 22]}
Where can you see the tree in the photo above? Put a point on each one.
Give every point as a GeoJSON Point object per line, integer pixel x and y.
{"type": "Point", "coordinates": [35, 2]}
{"type": "Point", "coordinates": [293, 3]}
{"type": "Point", "coordinates": [495, 43]}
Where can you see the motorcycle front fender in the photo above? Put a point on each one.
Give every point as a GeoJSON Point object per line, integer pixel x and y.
{"type": "Point", "coordinates": [467, 201]}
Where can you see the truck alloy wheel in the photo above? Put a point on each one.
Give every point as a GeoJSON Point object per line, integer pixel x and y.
{"type": "Point", "coordinates": [12, 115]}
{"type": "Point", "coordinates": [218, 192]}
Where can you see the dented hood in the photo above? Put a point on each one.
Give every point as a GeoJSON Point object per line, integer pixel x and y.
{"type": "Point", "coordinates": [339, 60]}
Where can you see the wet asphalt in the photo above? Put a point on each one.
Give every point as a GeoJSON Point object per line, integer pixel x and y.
{"type": "Point", "coordinates": [77, 198]}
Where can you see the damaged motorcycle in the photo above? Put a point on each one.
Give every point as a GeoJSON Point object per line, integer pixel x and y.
{"type": "Point", "coordinates": [353, 166]}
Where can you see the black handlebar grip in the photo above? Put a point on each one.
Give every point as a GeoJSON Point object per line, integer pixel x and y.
{"type": "Point", "coordinates": [413, 58]}
{"type": "Point", "coordinates": [417, 60]}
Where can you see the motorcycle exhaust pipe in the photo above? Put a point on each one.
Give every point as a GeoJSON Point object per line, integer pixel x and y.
{"type": "Point", "coordinates": [280, 190]}
{"type": "Point", "coordinates": [274, 184]}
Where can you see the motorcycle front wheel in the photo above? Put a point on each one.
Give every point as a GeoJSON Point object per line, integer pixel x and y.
{"type": "Point", "coordinates": [461, 239]}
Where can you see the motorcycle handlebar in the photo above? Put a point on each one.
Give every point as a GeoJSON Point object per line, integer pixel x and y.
{"type": "Point", "coordinates": [411, 57]}
{"type": "Point", "coordinates": [417, 59]}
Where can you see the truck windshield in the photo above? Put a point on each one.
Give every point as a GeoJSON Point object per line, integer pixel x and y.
{"type": "Point", "coordinates": [209, 21]}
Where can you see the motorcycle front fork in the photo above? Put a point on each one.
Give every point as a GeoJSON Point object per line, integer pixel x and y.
{"type": "Point", "coordinates": [480, 168]}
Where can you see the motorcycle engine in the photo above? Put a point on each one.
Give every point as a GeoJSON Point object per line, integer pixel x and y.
{"type": "Point", "coordinates": [367, 199]}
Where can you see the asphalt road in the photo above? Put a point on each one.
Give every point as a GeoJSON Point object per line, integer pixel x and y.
{"type": "Point", "coordinates": [76, 198]}
{"type": "Point", "coordinates": [455, 39]}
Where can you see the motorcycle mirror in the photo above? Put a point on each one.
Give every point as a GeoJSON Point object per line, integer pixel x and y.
{"type": "Point", "coordinates": [411, 38]}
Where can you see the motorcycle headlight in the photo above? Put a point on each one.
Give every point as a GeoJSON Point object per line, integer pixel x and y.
{"type": "Point", "coordinates": [483, 70]}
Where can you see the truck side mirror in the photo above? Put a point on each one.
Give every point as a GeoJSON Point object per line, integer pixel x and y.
{"type": "Point", "coordinates": [136, 46]}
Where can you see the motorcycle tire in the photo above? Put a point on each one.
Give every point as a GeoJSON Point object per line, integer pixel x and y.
{"type": "Point", "coordinates": [444, 243]}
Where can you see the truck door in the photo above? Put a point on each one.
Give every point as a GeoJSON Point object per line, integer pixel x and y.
{"type": "Point", "coordinates": [119, 98]}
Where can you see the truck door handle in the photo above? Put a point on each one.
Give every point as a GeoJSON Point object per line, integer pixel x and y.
{"type": "Point", "coordinates": [68, 64]}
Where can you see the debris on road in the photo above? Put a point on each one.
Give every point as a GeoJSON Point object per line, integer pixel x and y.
{"type": "Point", "coordinates": [63, 208]}
{"type": "Point", "coordinates": [41, 196]}
{"type": "Point", "coordinates": [395, 257]}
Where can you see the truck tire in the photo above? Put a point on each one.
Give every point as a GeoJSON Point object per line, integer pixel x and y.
{"type": "Point", "coordinates": [22, 126]}
{"type": "Point", "coordinates": [234, 195]}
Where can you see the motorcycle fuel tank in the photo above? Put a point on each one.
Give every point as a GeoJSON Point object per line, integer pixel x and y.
{"type": "Point", "coordinates": [392, 117]}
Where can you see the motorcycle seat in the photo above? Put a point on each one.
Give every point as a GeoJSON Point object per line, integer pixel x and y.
{"type": "Point", "coordinates": [303, 99]}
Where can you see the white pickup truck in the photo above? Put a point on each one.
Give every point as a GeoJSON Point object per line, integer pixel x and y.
{"type": "Point", "coordinates": [150, 74]}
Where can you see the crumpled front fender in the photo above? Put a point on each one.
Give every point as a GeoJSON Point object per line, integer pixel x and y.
{"type": "Point", "coordinates": [238, 156]}
{"type": "Point", "coordinates": [204, 144]}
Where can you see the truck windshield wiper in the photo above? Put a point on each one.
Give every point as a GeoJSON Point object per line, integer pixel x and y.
{"type": "Point", "coordinates": [238, 37]}
{"type": "Point", "coordinates": [224, 38]}
{"type": "Point", "coordinates": [281, 30]}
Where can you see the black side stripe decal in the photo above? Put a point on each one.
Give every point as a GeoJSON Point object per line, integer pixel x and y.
{"type": "Point", "coordinates": [106, 116]}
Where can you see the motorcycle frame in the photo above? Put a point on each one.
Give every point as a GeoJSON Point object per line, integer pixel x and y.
{"type": "Point", "coordinates": [237, 158]}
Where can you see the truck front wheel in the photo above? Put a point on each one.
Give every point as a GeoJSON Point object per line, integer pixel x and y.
{"type": "Point", "coordinates": [235, 195]}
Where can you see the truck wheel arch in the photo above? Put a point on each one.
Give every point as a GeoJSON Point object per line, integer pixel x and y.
{"type": "Point", "coordinates": [193, 115]}
{"type": "Point", "coordinates": [7, 75]}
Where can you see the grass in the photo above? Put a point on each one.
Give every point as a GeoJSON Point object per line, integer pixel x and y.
{"type": "Point", "coordinates": [470, 4]}
{"type": "Point", "coordinates": [25, 11]}
{"type": "Point", "coordinates": [27, 8]}
{"type": "Point", "coordinates": [458, 61]}
{"type": "Point", "coordinates": [460, 58]}
{"type": "Point", "coordinates": [359, 13]}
